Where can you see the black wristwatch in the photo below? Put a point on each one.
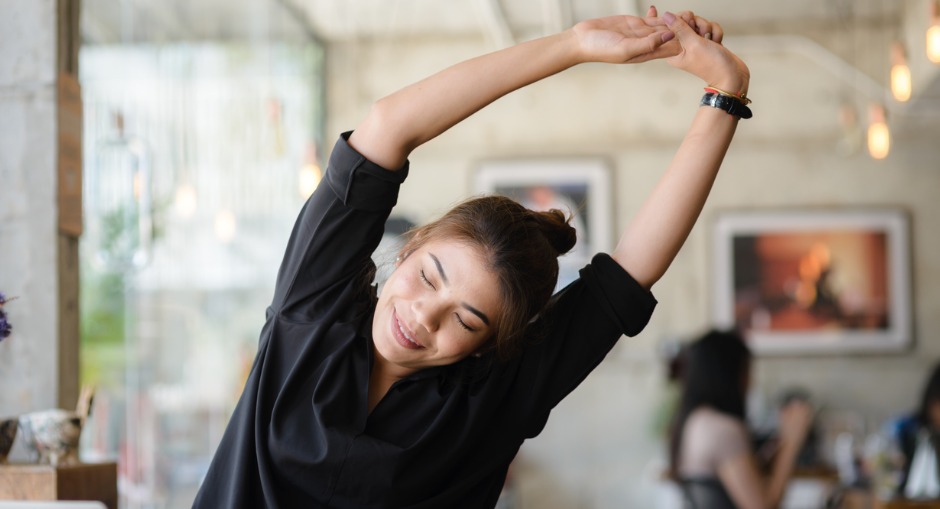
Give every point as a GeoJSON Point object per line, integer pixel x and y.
{"type": "Point", "coordinates": [732, 105]}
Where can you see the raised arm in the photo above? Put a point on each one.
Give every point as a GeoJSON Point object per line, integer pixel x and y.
{"type": "Point", "coordinates": [402, 121]}
{"type": "Point", "coordinates": [742, 476]}
{"type": "Point", "coordinates": [654, 236]}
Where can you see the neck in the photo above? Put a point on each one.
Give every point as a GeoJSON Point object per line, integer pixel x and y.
{"type": "Point", "coordinates": [381, 378]}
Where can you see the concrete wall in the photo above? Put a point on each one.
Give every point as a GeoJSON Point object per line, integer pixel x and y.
{"type": "Point", "coordinates": [28, 212]}
{"type": "Point", "coordinates": [600, 449]}
{"type": "Point", "coordinates": [38, 263]}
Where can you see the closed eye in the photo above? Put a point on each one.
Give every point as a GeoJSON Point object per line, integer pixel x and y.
{"type": "Point", "coordinates": [425, 279]}
{"type": "Point", "coordinates": [463, 324]}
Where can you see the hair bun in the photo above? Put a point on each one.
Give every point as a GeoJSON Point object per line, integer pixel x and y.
{"type": "Point", "coordinates": [554, 225]}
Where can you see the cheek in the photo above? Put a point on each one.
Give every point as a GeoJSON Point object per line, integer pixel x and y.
{"type": "Point", "coordinates": [399, 284]}
{"type": "Point", "coordinates": [459, 347]}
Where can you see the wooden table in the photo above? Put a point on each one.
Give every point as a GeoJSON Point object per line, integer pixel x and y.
{"type": "Point", "coordinates": [903, 503]}
{"type": "Point", "coordinates": [864, 499]}
{"type": "Point", "coordinates": [85, 481]}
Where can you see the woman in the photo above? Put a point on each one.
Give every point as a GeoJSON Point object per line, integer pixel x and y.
{"type": "Point", "coordinates": [912, 429]}
{"type": "Point", "coordinates": [710, 451]}
{"type": "Point", "coordinates": [422, 397]}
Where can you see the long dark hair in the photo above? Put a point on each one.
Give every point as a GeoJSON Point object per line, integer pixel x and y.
{"type": "Point", "coordinates": [714, 370]}
{"type": "Point", "coordinates": [521, 247]}
{"type": "Point", "coordinates": [931, 394]}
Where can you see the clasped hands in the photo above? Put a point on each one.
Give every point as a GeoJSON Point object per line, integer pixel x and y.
{"type": "Point", "coordinates": [688, 42]}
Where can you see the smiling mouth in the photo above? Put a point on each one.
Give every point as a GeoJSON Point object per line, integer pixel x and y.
{"type": "Point", "coordinates": [402, 335]}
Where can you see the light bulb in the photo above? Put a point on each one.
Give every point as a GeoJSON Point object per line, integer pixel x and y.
{"type": "Point", "coordinates": [933, 42]}
{"type": "Point", "coordinates": [308, 179]}
{"type": "Point", "coordinates": [185, 201]}
{"type": "Point", "coordinates": [225, 226]}
{"type": "Point", "coordinates": [901, 82]}
{"type": "Point", "coordinates": [900, 73]}
{"type": "Point", "coordinates": [879, 137]}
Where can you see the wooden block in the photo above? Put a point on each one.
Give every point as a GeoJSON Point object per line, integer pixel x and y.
{"type": "Point", "coordinates": [85, 481]}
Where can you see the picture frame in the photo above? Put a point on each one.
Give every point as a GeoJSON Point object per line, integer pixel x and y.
{"type": "Point", "coordinates": [580, 186]}
{"type": "Point", "coordinates": [814, 281]}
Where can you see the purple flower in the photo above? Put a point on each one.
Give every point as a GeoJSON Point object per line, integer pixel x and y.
{"type": "Point", "coordinates": [5, 328]}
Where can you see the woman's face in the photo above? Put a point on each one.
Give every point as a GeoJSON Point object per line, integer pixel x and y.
{"type": "Point", "coordinates": [440, 305]}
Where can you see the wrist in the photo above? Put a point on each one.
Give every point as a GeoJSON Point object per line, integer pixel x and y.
{"type": "Point", "coordinates": [736, 83]}
{"type": "Point", "coordinates": [568, 48]}
{"type": "Point", "coordinates": [729, 102]}
{"type": "Point", "coordinates": [790, 446]}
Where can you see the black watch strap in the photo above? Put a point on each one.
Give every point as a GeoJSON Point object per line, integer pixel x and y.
{"type": "Point", "coordinates": [732, 105]}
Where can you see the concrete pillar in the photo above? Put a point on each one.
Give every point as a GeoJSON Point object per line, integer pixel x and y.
{"type": "Point", "coordinates": [40, 215]}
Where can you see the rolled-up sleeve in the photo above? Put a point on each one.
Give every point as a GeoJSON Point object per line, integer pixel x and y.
{"type": "Point", "coordinates": [337, 230]}
{"type": "Point", "coordinates": [622, 299]}
{"type": "Point", "coordinates": [585, 320]}
{"type": "Point", "coordinates": [359, 183]}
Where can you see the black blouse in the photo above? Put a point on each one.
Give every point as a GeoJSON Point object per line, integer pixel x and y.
{"type": "Point", "coordinates": [301, 434]}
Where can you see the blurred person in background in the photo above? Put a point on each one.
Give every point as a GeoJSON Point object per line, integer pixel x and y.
{"type": "Point", "coordinates": [921, 428]}
{"type": "Point", "coordinates": [711, 452]}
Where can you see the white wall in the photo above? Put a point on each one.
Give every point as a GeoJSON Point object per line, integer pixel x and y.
{"type": "Point", "coordinates": [599, 449]}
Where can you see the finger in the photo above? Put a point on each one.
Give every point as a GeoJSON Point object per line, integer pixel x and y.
{"type": "Point", "coordinates": [708, 29]}
{"type": "Point", "coordinates": [654, 21]}
{"type": "Point", "coordinates": [702, 26]}
{"type": "Point", "coordinates": [680, 27]}
{"type": "Point", "coordinates": [652, 12]}
{"type": "Point", "coordinates": [718, 33]}
{"type": "Point", "coordinates": [658, 45]}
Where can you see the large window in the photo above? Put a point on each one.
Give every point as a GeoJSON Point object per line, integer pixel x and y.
{"type": "Point", "coordinates": [197, 159]}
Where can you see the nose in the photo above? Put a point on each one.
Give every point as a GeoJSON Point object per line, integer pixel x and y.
{"type": "Point", "coordinates": [428, 313]}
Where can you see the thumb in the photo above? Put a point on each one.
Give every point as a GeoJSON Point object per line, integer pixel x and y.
{"type": "Point", "coordinates": [679, 27]}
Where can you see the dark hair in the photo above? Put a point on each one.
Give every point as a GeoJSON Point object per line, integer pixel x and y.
{"type": "Point", "coordinates": [521, 247]}
{"type": "Point", "coordinates": [931, 394]}
{"type": "Point", "coordinates": [714, 370]}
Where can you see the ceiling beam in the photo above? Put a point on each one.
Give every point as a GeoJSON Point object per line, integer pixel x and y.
{"type": "Point", "coordinates": [300, 16]}
{"type": "Point", "coordinates": [841, 69]}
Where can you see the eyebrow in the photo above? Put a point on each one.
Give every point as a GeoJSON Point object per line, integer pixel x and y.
{"type": "Point", "coordinates": [468, 307]}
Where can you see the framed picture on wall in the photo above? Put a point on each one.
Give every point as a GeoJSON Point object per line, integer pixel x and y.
{"type": "Point", "coordinates": [579, 186]}
{"type": "Point", "coordinates": [814, 281]}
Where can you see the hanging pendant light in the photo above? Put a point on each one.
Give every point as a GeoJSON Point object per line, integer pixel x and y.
{"type": "Point", "coordinates": [225, 226]}
{"type": "Point", "coordinates": [185, 200]}
{"type": "Point", "coordinates": [879, 137]}
{"type": "Point", "coordinates": [900, 73]}
{"type": "Point", "coordinates": [933, 33]}
{"type": "Point", "coordinates": [118, 200]}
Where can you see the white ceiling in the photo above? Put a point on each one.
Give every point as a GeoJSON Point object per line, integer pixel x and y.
{"type": "Point", "coordinates": [501, 21]}
{"type": "Point", "coordinates": [335, 19]}
{"type": "Point", "coordinates": [107, 21]}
